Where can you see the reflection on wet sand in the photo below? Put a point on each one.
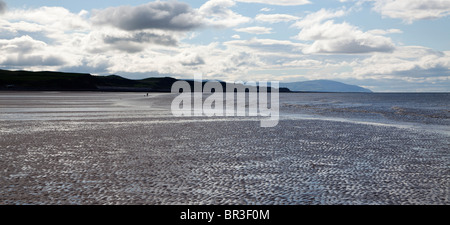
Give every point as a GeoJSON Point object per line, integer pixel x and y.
{"type": "Point", "coordinates": [126, 148]}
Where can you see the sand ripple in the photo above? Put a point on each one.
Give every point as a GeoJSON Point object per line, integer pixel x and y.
{"type": "Point", "coordinates": [222, 162]}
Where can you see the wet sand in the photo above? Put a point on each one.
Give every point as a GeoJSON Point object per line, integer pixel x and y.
{"type": "Point", "coordinates": [125, 149]}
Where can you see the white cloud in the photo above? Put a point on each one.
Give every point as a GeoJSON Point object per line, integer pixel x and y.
{"type": "Point", "coordinates": [45, 38]}
{"type": "Point", "coordinates": [309, 63]}
{"type": "Point", "coordinates": [384, 32]}
{"type": "Point", "coordinates": [318, 17]}
{"type": "Point", "coordinates": [19, 26]}
{"type": "Point", "coordinates": [278, 2]}
{"type": "Point", "coordinates": [412, 10]}
{"type": "Point", "coordinates": [25, 51]}
{"type": "Point", "coordinates": [255, 30]}
{"type": "Point", "coordinates": [403, 62]}
{"type": "Point", "coordinates": [236, 36]}
{"type": "Point", "coordinates": [20, 61]}
{"type": "Point", "coordinates": [275, 18]}
{"type": "Point", "coordinates": [55, 23]}
{"type": "Point", "coordinates": [338, 38]}
{"type": "Point", "coordinates": [269, 46]}
{"type": "Point", "coordinates": [217, 13]}
{"type": "Point", "coordinates": [265, 9]}
{"type": "Point", "coordinates": [51, 17]}
{"type": "Point", "coordinates": [343, 38]}
{"type": "Point", "coordinates": [269, 54]}
{"type": "Point", "coordinates": [190, 59]}
{"type": "Point", "coordinates": [22, 44]}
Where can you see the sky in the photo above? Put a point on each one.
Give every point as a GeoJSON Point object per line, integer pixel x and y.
{"type": "Point", "coordinates": [383, 45]}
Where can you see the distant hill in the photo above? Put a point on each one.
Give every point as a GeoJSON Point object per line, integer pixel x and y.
{"type": "Point", "coordinates": [323, 86]}
{"type": "Point", "coordinates": [59, 81]}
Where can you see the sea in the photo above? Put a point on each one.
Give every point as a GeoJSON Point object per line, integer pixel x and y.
{"type": "Point", "coordinates": [427, 111]}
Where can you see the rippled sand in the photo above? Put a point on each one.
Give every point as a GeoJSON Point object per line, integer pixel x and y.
{"type": "Point", "coordinates": [126, 149]}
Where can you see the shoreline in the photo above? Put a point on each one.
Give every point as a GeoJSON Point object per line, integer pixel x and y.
{"type": "Point", "coordinates": [168, 91]}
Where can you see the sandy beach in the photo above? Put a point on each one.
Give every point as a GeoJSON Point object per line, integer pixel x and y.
{"type": "Point", "coordinates": [124, 148]}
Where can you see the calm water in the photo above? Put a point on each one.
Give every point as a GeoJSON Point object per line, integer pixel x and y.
{"type": "Point", "coordinates": [427, 111]}
{"type": "Point", "coordinates": [416, 110]}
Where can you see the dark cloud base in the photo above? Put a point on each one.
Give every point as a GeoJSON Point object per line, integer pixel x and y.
{"type": "Point", "coordinates": [175, 16]}
{"type": "Point", "coordinates": [2, 7]}
{"type": "Point", "coordinates": [32, 60]}
{"type": "Point", "coordinates": [143, 37]}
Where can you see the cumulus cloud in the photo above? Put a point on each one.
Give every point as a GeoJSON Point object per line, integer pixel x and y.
{"type": "Point", "coordinates": [22, 44]}
{"type": "Point", "coordinates": [20, 26]}
{"type": "Point", "coordinates": [344, 38]}
{"type": "Point", "coordinates": [278, 2]}
{"type": "Point", "coordinates": [255, 30]}
{"type": "Point", "coordinates": [172, 16]}
{"type": "Point", "coordinates": [25, 51]}
{"type": "Point", "coordinates": [404, 61]}
{"type": "Point", "coordinates": [318, 17]}
{"type": "Point", "coordinates": [341, 38]}
{"type": "Point", "coordinates": [263, 46]}
{"type": "Point", "coordinates": [275, 18]}
{"type": "Point", "coordinates": [32, 60]}
{"type": "Point", "coordinates": [412, 10]}
{"type": "Point", "coordinates": [190, 59]}
{"type": "Point", "coordinates": [57, 18]}
{"type": "Point", "coordinates": [154, 15]}
{"type": "Point", "coordinates": [217, 13]}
